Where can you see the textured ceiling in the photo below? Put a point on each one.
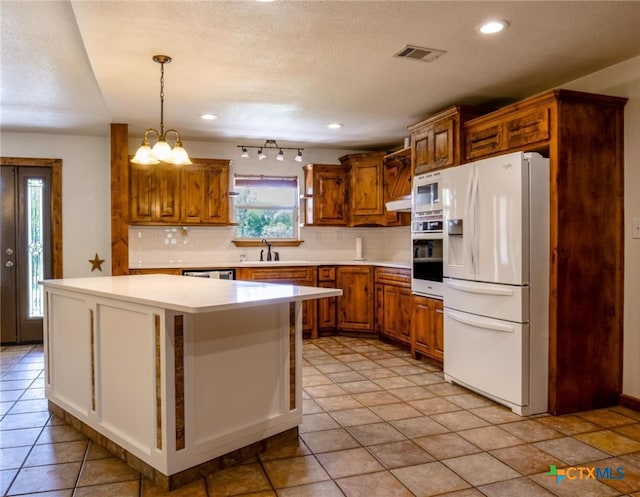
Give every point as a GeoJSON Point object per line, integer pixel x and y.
{"type": "Point", "coordinates": [283, 70]}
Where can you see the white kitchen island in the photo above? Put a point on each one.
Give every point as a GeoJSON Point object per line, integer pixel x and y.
{"type": "Point", "coordinates": [179, 377]}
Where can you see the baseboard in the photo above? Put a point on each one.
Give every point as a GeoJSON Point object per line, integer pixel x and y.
{"type": "Point", "coordinates": [630, 402]}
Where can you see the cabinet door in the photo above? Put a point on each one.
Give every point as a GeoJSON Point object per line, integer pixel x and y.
{"type": "Point", "coordinates": [192, 193]}
{"type": "Point", "coordinates": [141, 193]}
{"type": "Point", "coordinates": [422, 149]}
{"type": "Point", "coordinates": [405, 298]}
{"type": "Point", "coordinates": [167, 193]}
{"type": "Point", "coordinates": [366, 189]}
{"type": "Point", "coordinates": [392, 311]}
{"type": "Point", "coordinates": [216, 194]}
{"type": "Point", "coordinates": [438, 328]}
{"type": "Point", "coordinates": [330, 197]}
{"type": "Point", "coordinates": [443, 143]}
{"type": "Point", "coordinates": [397, 184]}
{"type": "Point", "coordinates": [355, 306]}
{"type": "Point", "coordinates": [327, 309]}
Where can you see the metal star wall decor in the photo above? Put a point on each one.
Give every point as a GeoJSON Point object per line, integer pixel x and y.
{"type": "Point", "coordinates": [96, 263]}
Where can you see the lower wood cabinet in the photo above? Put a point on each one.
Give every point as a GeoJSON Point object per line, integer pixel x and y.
{"type": "Point", "coordinates": [427, 337]}
{"type": "Point", "coordinates": [299, 275]}
{"type": "Point", "coordinates": [355, 306]}
{"type": "Point", "coordinates": [393, 303]}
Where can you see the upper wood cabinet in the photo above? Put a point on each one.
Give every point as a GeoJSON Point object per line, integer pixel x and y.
{"type": "Point", "coordinates": [155, 193]}
{"type": "Point", "coordinates": [397, 184]}
{"type": "Point", "coordinates": [326, 194]}
{"type": "Point", "coordinates": [169, 194]}
{"type": "Point", "coordinates": [436, 142]}
{"type": "Point", "coordinates": [366, 180]}
{"type": "Point", "coordinates": [205, 192]}
{"type": "Point", "coordinates": [524, 128]}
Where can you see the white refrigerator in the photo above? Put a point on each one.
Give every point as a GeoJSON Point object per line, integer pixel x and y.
{"type": "Point", "coordinates": [496, 279]}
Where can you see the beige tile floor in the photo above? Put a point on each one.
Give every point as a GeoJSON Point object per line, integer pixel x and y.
{"type": "Point", "coordinates": [377, 424]}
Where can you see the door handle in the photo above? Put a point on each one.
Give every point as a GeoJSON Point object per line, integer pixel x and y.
{"type": "Point", "coordinates": [8, 264]}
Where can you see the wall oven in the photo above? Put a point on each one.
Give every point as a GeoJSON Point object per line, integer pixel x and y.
{"type": "Point", "coordinates": [426, 255]}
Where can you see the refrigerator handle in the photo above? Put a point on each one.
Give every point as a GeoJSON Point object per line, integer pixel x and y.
{"type": "Point", "coordinates": [474, 218]}
{"type": "Point", "coordinates": [500, 291]}
{"type": "Point", "coordinates": [468, 239]}
{"type": "Point", "coordinates": [479, 323]}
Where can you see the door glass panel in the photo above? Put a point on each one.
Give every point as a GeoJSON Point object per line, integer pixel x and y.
{"type": "Point", "coordinates": [35, 244]}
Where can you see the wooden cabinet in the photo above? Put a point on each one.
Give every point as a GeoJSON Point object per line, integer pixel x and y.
{"type": "Point", "coordinates": [326, 195]}
{"type": "Point", "coordinates": [393, 303]}
{"type": "Point", "coordinates": [582, 134]}
{"type": "Point", "coordinates": [355, 306]}
{"type": "Point", "coordinates": [397, 185]}
{"type": "Point", "coordinates": [155, 193]}
{"type": "Point", "coordinates": [205, 192]}
{"type": "Point", "coordinates": [298, 275]}
{"type": "Point", "coordinates": [327, 307]}
{"type": "Point", "coordinates": [169, 194]}
{"type": "Point", "coordinates": [437, 141]}
{"type": "Point", "coordinates": [427, 337]}
{"type": "Point", "coordinates": [522, 129]}
{"type": "Point", "coordinates": [366, 180]}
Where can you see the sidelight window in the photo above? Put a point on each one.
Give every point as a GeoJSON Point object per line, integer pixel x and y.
{"type": "Point", "coordinates": [35, 246]}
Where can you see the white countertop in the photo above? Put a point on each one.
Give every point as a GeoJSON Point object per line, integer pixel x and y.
{"type": "Point", "coordinates": [237, 264]}
{"type": "Point", "coordinates": [190, 295]}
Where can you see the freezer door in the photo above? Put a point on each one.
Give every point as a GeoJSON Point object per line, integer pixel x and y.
{"type": "Point", "coordinates": [501, 212]}
{"type": "Point", "coordinates": [488, 356]}
{"type": "Point", "coordinates": [458, 229]}
{"type": "Point", "coordinates": [505, 302]}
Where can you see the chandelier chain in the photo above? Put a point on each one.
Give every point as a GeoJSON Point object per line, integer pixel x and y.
{"type": "Point", "coordinates": [162, 99]}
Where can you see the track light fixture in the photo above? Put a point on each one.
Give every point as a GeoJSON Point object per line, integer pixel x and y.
{"type": "Point", "coordinates": [270, 144]}
{"type": "Point", "coordinates": [161, 151]}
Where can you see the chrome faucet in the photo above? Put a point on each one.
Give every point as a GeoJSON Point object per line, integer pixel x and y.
{"type": "Point", "coordinates": [268, 250]}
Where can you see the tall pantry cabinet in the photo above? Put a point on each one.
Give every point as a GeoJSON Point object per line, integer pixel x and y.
{"type": "Point", "coordinates": [582, 134]}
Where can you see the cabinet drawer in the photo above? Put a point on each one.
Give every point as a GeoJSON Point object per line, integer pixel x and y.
{"type": "Point", "coordinates": [300, 275]}
{"type": "Point", "coordinates": [528, 127]}
{"type": "Point", "coordinates": [393, 276]}
{"type": "Point", "coordinates": [326, 273]}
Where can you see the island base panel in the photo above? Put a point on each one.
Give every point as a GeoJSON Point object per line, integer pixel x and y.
{"type": "Point", "coordinates": [171, 482]}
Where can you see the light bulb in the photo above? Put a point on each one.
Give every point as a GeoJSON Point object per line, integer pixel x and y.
{"type": "Point", "coordinates": [144, 156]}
{"type": "Point", "coordinates": [162, 150]}
{"type": "Point", "coordinates": [280, 156]}
{"type": "Point", "coordinates": [298, 156]}
{"type": "Point", "coordinates": [261, 155]}
{"type": "Point", "coordinates": [245, 154]}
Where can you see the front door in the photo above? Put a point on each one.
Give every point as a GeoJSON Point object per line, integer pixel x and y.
{"type": "Point", "coordinates": [26, 250]}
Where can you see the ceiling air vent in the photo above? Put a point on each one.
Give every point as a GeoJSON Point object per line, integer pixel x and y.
{"type": "Point", "coordinates": [420, 53]}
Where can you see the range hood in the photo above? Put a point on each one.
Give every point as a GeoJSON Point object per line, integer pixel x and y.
{"type": "Point", "coordinates": [402, 204]}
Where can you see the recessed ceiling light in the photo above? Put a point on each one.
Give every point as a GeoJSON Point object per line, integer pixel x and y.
{"type": "Point", "coordinates": [334, 125]}
{"type": "Point", "coordinates": [492, 27]}
{"type": "Point", "coordinates": [208, 117]}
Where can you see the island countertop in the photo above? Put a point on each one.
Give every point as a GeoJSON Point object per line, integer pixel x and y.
{"type": "Point", "coordinates": [190, 295]}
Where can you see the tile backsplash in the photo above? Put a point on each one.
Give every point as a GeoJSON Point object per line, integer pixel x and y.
{"type": "Point", "coordinates": [154, 246]}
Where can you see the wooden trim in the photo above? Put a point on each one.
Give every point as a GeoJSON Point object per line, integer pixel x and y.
{"type": "Point", "coordinates": [56, 202]}
{"type": "Point", "coordinates": [292, 355]}
{"type": "Point", "coordinates": [92, 332]}
{"type": "Point", "coordinates": [158, 380]}
{"type": "Point", "coordinates": [119, 199]}
{"type": "Point", "coordinates": [630, 402]}
{"type": "Point", "coordinates": [178, 347]}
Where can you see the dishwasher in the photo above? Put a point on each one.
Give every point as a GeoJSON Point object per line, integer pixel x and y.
{"type": "Point", "coordinates": [217, 274]}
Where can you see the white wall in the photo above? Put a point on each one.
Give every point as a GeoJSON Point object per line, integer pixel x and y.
{"type": "Point", "coordinates": [623, 80]}
{"type": "Point", "coordinates": [86, 200]}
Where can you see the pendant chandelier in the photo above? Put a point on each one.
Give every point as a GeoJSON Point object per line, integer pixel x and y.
{"type": "Point", "coordinates": [161, 151]}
